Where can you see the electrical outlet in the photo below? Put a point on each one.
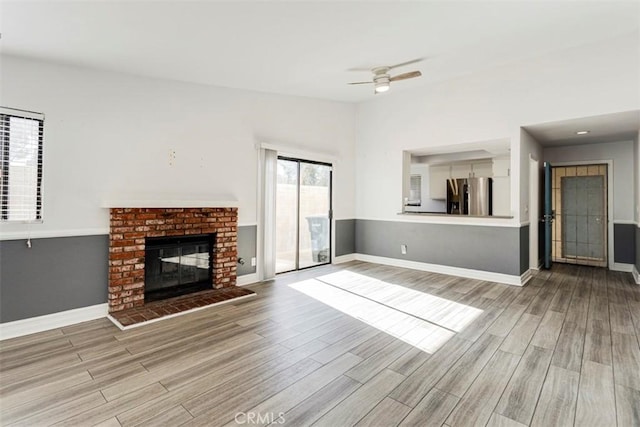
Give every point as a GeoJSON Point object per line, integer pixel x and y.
{"type": "Point", "coordinates": [403, 249]}
{"type": "Point", "coordinates": [253, 261]}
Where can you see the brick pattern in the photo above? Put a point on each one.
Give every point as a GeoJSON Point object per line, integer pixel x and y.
{"type": "Point", "coordinates": [130, 226]}
{"type": "Point", "coordinates": [159, 309]}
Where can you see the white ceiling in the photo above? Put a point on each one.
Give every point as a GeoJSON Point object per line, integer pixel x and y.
{"type": "Point", "coordinates": [303, 48]}
{"type": "Point", "coordinates": [606, 128]}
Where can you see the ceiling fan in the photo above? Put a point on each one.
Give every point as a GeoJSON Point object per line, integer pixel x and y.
{"type": "Point", "coordinates": [381, 79]}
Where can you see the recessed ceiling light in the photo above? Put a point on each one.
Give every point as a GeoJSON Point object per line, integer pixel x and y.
{"type": "Point", "coordinates": [582, 132]}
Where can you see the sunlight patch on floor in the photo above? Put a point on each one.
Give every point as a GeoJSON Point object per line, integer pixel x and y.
{"type": "Point", "coordinates": [420, 333]}
{"type": "Point", "coordinates": [440, 311]}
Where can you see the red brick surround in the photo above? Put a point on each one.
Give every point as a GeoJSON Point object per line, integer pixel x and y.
{"type": "Point", "coordinates": [130, 226]}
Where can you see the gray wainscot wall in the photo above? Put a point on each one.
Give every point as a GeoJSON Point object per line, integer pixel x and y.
{"type": "Point", "coordinates": [64, 273]}
{"type": "Point", "coordinates": [624, 243]}
{"type": "Point", "coordinates": [55, 274]}
{"type": "Point", "coordinates": [247, 248]}
{"type": "Point", "coordinates": [345, 236]}
{"type": "Point", "coordinates": [502, 250]}
{"type": "Point", "coordinates": [638, 249]}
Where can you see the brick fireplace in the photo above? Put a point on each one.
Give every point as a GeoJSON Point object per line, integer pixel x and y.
{"type": "Point", "coordinates": [130, 227]}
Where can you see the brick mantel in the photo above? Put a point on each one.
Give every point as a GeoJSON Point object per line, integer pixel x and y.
{"type": "Point", "coordinates": [129, 227]}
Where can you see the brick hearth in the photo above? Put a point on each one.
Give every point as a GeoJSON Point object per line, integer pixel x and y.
{"type": "Point", "coordinates": [158, 309]}
{"type": "Point", "coordinates": [130, 226]}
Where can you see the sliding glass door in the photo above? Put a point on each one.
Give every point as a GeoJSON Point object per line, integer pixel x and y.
{"type": "Point", "coordinates": [303, 214]}
{"type": "Point", "coordinates": [314, 200]}
{"type": "Point", "coordinates": [287, 216]}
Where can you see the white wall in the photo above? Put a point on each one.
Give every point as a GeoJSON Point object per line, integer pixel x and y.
{"type": "Point", "coordinates": [585, 81]}
{"type": "Point", "coordinates": [529, 148]}
{"type": "Point", "coordinates": [636, 171]}
{"type": "Point", "coordinates": [622, 155]}
{"type": "Point", "coordinates": [108, 136]}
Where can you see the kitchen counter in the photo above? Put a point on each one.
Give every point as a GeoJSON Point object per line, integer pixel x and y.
{"type": "Point", "coordinates": [446, 215]}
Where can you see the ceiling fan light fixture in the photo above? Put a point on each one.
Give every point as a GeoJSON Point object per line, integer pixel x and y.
{"type": "Point", "coordinates": [381, 83]}
{"type": "Point", "coordinates": [382, 80]}
{"type": "Point", "coordinates": [381, 87]}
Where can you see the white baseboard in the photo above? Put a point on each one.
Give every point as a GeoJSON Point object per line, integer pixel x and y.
{"type": "Point", "coordinates": [247, 279]}
{"type": "Point", "coordinates": [526, 276]}
{"type": "Point", "coordinates": [453, 271]}
{"type": "Point", "coordinates": [344, 258]}
{"type": "Point", "coordinates": [61, 319]}
{"type": "Point", "coordinates": [618, 266]}
{"type": "Point", "coordinates": [636, 275]}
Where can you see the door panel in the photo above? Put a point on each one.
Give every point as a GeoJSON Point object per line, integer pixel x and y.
{"type": "Point", "coordinates": [548, 215]}
{"type": "Point", "coordinates": [303, 221]}
{"type": "Point", "coordinates": [580, 233]}
{"type": "Point", "coordinates": [315, 198]}
{"type": "Point", "coordinates": [583, 214]}
{"type": "Point", "coordinates": [286, 216]}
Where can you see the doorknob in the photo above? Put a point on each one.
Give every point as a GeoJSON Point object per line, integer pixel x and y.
{"type": "Point", "coordinates": [549, 218]}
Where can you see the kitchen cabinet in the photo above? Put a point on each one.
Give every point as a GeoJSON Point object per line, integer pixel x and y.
{"type": "Point", "coordinates": [502, 166]}
{"type": "Point", "coordinates": [501, 193]}
{"type": "Point", "coordinates": [482, 169]}
{"type": "Point", "coordinates": [461, 170]}
{"type": "Point", "coordinates": [438, 176]}
{"type": "Point", "coordinates": [472, 170]}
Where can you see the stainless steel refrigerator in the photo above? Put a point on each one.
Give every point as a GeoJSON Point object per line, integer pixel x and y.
{"type": "Point", "coordinates": [480, 196]}
{"type": "Point", "coordinates": [457, 197]}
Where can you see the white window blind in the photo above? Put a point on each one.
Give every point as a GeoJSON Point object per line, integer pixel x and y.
{"type": "Point", "coordinates": [21, 135]}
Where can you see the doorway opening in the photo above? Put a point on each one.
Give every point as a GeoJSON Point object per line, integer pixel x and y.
{"type": "Point", "coordinates": [303, 214]}
{"type": "Point", "coordinates": [580, 203]}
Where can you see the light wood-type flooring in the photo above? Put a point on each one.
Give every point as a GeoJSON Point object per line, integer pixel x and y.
{"type": "Point", "coordinates": [355, 344]}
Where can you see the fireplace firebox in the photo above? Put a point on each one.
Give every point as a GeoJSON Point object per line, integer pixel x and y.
{"type": "Point", "coordinates": [177, 265]}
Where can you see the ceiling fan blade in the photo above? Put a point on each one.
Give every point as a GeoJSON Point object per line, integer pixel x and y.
{"type": "Point", "coordinates": [409, 75]}
{"type": "Point", "coordinates": [360, 83]}
{"type": "Point", "coordinates": [360, 69]}
{"type": "Point", "coordinates": [402, 64]}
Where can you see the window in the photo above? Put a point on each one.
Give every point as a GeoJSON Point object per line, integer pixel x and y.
{"type": "Point", "coordinates": [415, 191]}
{"type": "Point", "coordinates": [20, 165]}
